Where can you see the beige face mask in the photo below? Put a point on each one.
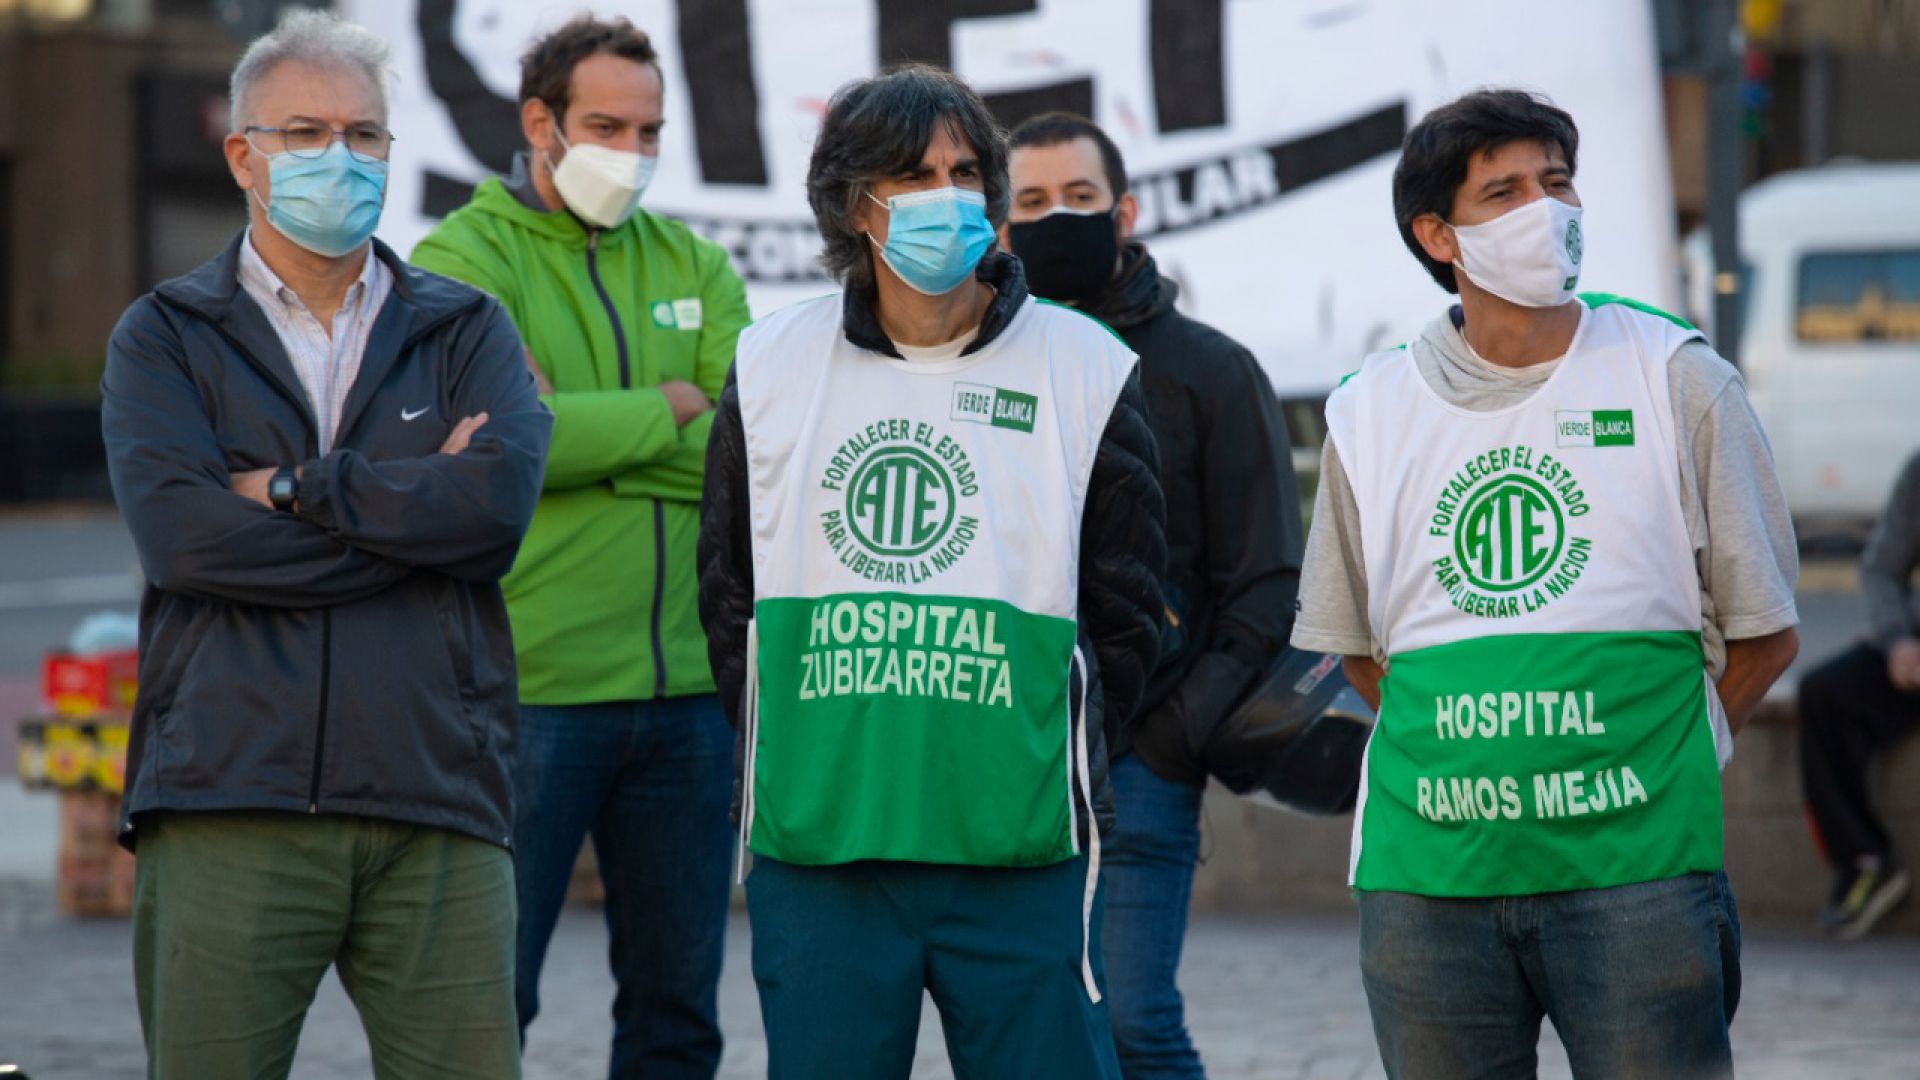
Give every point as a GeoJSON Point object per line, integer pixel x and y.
{"type": "Point", "coordinates": [600, 184]}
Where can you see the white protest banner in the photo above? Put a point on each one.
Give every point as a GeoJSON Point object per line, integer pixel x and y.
{"type": "Point", "coordinates": [1261, 136]}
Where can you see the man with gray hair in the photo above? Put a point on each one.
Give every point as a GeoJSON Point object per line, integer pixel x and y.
{"type": "Point", "coordinates": [327, 460]}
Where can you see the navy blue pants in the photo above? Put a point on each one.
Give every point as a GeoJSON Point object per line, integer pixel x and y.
{"type": "Point", "coordinates": [844, 956]}
{"type": "Point", "coordinates": [650, 781]}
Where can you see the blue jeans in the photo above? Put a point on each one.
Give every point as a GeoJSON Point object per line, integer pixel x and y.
{"type": "Point", "coordinates": [1639, 980]}
{"type": "Point", "coordinates": [1147, 866]}
{"type": "Point", "coordinates": [651, 782]}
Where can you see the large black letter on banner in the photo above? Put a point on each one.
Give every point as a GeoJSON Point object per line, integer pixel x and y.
{"type": "Point", "coordinates": [923, 31]}
{"type": "Point", "coordinates": [1188, 43]}
{"type": "Point", "coordinates": [716, 55]}
{"type": "Point", "coordinates": [488, 124]}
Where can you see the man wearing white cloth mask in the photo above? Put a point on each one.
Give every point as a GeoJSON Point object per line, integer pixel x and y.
{"type": "Point", "coordinates": [630, 321]}
{"type": "Point", "coordinates": [1551, 544]}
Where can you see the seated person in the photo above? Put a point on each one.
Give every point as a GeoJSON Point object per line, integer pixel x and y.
{"type": "Point", "coordinates": [1858, 704]}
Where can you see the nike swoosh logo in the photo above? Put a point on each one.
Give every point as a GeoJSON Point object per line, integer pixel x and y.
{"type": "Point", "coordinates": [414, 414]}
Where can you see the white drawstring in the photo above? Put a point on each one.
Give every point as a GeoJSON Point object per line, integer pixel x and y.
{"type": "Point", "coordinates": [750, 721]}
{"type": "Point", "coordinates": [1093, 837]}
{"type": "Point", "coordinates": [1072, 758]}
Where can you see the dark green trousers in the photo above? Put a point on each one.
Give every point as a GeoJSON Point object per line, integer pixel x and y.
{"type": "Point", "coordinates": [238, 915]}
{"type": "Point", "coordinates": [844, 956]}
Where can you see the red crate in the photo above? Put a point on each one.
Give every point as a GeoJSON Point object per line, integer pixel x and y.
{"type": "Point", "coordinates": [74, 685]}
{"type": "Point", "coordinates": [123, 678]}
{"type": "Point", "coordinates": [86, 685]}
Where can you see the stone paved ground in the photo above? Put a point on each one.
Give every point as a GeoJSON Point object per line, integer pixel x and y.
{"type": "Point", "coordinates": [1275, 997]}
{"type": "Point", "coordinates": [1272, 998]}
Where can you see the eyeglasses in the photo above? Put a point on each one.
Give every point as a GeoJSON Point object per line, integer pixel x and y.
{"type": "Point", "coordinates": [368, 142]}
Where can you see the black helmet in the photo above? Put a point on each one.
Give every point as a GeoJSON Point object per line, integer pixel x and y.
{"type": "Point", "coordinates": [1297, 738]}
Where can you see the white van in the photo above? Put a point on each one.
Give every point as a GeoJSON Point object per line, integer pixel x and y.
{"type": "Point", "coordinates": [1831, 342]}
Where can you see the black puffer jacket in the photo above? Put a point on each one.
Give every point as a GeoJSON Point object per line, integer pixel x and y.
{"type": "Point", "coordinates": [1234, 537]}
{"type": "Point", "coordinates": [1122, 543]}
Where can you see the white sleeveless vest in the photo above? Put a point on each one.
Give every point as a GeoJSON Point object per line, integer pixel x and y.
{"type": "Point", "coordinates": [1546, 721]}
{"type": "Point", "coordinates": [916, 546]}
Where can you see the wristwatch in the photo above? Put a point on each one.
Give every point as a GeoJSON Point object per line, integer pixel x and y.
{"type": "Point", "coordinates": [284, 490]}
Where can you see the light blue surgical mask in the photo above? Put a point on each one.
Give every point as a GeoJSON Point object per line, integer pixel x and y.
{"type": "Point", "coordinates": [935, 238]}
{"type": "Point", "coordinates": [328, 204]}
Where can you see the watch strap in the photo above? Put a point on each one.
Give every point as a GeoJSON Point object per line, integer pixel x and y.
{"type": "Point", "coordinates": [283, 490]}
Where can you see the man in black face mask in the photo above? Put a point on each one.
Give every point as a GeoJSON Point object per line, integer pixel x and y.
{"type": "Point", "coordinates": [1234, 543]}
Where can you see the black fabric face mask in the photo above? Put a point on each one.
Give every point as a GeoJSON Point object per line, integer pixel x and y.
{"type": "Point", "coordinates": [1069, 257]}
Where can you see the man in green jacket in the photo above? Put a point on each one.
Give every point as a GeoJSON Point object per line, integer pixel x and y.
{"type": "Point", "coordinates": [630, 322]}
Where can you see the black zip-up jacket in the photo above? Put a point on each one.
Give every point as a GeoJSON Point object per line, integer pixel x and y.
{"type": "Point", "coordinates": [1234, 536]}
{"type": "Point", "coordinates": [1122, 543]}
{"type": "Point", "coordinates": [354, 659]}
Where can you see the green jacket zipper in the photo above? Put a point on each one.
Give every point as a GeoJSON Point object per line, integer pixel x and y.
{"type": "Point", "coordinates": [659, 512]}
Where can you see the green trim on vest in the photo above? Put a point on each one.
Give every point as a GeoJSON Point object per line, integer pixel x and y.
{"type": "Point", "coordinates": [1348, 377]}
{"type": "Point", "coordinates": [1082, 314]}
{"type": "Point", "coordinates": [1601, 299]}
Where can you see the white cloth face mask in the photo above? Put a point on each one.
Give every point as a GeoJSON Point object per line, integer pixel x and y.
{"type": "Point", "coordinates": [600, 184]}
{"type": "Point", "coordinates": [1529, 255]}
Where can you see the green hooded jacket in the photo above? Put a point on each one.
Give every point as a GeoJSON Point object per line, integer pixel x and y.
{"type": "Point", "coordinates": [603, 598]}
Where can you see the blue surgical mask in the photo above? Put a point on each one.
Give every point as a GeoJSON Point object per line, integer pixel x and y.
{"type": "Point", "coordinates": [328, 204]}
{"type": "Point", "coordinates": [935, 238]}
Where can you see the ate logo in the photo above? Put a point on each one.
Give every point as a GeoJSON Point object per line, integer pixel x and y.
{"type": "Point", "coordinates": [900, 502]}
{"type": "Point", "coordinates": [1511, 533]}
{"type": "Point", "coordinates": [898, 497]}
{"type": "Point", "coordinates": [1506, 533]}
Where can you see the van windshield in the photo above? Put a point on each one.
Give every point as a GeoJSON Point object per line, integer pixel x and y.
{"type": "Point", "coordinates": [1853, 296]}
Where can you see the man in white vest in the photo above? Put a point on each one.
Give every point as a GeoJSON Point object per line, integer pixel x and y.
{"type": "Point", "coordinates": [1550, 541]}
{"type": "Point", "coordinates": [931, 547]}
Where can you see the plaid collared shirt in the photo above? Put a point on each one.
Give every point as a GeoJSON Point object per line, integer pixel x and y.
{"type": "Point", "coordinates": [326, 363]}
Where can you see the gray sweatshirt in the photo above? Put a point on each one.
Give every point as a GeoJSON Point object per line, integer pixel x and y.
{"type": "Point", "coordinates": [1736, 514]}
{"type": "Point", "coordinates": [1887, 566]}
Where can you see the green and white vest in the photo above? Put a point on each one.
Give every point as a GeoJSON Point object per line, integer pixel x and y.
{"type": "Point", "coordinates": [1546, 722]}
{"type": "Point", "coordinates": [916, 549]}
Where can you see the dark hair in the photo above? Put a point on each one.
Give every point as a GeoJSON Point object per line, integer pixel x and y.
{"type": "Point", "coordinates": [1054, 128]}
{"type": "Point", "coordinates": [1436, 153]}
{"type": "Point", "coordinates": [880, 127]}
{"type": "Point", "coordinates": [546, 71]}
